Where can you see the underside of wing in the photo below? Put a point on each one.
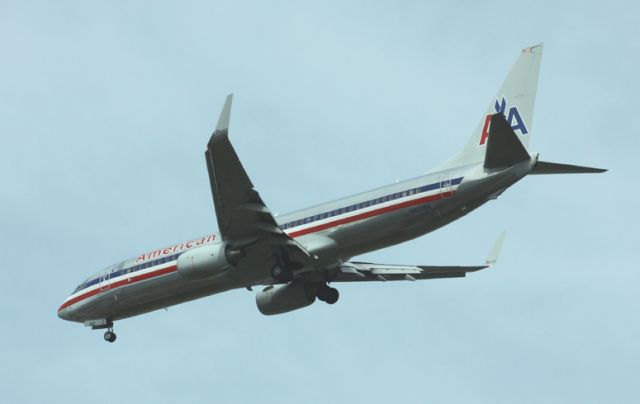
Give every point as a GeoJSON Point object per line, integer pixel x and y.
{"type": "Point", "coordinates": [240, 211]}
{"type": "Point", "coordinates": [366, 271]}
{"type": "Point", "coordinates": [243, 217]}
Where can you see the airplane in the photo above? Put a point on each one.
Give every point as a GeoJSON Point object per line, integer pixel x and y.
{"type": "Point", "coordinates": [295, 258]}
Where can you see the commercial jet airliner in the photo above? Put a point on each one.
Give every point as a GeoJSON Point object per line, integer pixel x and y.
{"type": "Point", "coordinates": [296, 257]}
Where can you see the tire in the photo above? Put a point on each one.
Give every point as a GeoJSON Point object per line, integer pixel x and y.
{"type": "Point", "coordinates": [331, 295]}
{"type": "Point", "coordinates": [110, 336]}
{"type": "Point", "coordinates": [328, 295]}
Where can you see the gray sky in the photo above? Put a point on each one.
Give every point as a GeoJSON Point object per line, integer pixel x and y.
{"type": "Point", "coordinates": [105, 109]}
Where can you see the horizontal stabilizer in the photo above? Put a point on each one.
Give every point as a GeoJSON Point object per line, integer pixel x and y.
{"type": "Point", "coordinates": [544, 167]}
{"type": "Point", "coordinates": [504, 149]}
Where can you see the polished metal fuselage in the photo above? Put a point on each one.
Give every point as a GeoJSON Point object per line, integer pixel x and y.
{"type": "Point", "coordinates": [408, 217]}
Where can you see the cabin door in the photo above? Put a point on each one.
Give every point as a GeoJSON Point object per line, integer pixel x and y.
{"type": "Point", "coordinates": [445, 185]}
{"type": "Point", "coordinates": [104, 280]}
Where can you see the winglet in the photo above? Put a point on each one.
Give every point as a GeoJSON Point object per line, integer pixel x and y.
{"type": "Point", "coordinates": [223, 121]}
{"type": "Point", "coordinates": [495, 251]}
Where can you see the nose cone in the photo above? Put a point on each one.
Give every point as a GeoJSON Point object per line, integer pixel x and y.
{"type": "Point", "coordinates": [64, 312]}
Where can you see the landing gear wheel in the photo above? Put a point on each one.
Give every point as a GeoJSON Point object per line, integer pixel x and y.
{"type": "Point", "coordinates": [281, 274]}
{"type": "Point", "coordinates": [332, 295]}
{"type": "Point", "coordinates": [110, 336]}
{"type": "Point", "coordinates": [328, 295]}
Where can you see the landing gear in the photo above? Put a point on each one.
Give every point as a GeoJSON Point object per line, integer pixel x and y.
{"type": "Point", "coordinates": [110, 336]}
{"type": "Point", "coordinates": [101, 324]}
{"type": "Point", "coordinates": [328, 294]}
{"type": "Point", "coordinates": [284, 267]}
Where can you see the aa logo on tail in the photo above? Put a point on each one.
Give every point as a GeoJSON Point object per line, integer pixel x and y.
{"type": "Point", "coordinates": [514, 118]}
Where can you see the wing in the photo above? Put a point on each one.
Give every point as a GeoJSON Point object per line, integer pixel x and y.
{"type": "Point", "coordinates": [243, 217]}
{"type": "Point", "coordinates": [366, 271]}
{"type": "Point", "coordinates": [239, 208]}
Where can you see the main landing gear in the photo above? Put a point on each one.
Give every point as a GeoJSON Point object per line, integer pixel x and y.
{"type": "Point", "coordinates": [281, 273]}
{"type": "Point", "coordinates": [327, 294]}
{"type": "Point", "coordinates": [283, 268]}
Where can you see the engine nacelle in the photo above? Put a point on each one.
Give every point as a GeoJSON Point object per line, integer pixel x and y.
{"type": "Point", "coordinates": [204, 262]}
{"type": "Point", "coordinates": [278, 299]}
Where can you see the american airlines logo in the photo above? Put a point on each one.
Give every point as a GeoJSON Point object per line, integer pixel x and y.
{"type": "Point", "coordinates": [513, 117]}
{"type": "Point", "coordinates": [177, 248]}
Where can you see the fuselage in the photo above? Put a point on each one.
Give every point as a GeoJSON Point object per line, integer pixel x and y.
{"type": "Point", "coordinates": [361, 223]}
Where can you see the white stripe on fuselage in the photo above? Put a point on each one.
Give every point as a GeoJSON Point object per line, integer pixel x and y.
{"type": "Point", "coordinates": [367, 209]}
{"type": "Point", "coordinates": [106, 286]}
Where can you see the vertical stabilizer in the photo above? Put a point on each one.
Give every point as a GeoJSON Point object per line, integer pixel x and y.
{"type": "Point", "coordinates": [515, 100]}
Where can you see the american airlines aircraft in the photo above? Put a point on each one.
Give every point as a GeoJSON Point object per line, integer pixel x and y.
{"type": "Point", "coordinates": [296, 257]}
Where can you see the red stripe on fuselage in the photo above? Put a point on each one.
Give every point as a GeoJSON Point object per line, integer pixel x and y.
{"type": "Point", "coordinates": [369, 214]}
{"type": "Point", "coordinates": [127, 281]}
{"type": "Point", "coordinates": [297, 233]}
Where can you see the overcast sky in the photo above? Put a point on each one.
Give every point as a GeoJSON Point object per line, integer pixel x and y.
{"type": "Point", "coordinates": [105, 110]}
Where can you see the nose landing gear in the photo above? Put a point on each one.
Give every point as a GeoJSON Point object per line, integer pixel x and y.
{"type": "Point", "coordinates": [103, 323]}
{"type": "Point", "coordinates": [110, 336]}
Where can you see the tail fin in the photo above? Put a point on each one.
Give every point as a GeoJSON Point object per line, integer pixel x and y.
{"type": "Point", "coordinates": [515, 100]}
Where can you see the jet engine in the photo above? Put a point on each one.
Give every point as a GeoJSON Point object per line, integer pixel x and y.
{"type": "Point", "coordinates": [278, 299]}
{"type": "Point", "coordinates": [206, 261]}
